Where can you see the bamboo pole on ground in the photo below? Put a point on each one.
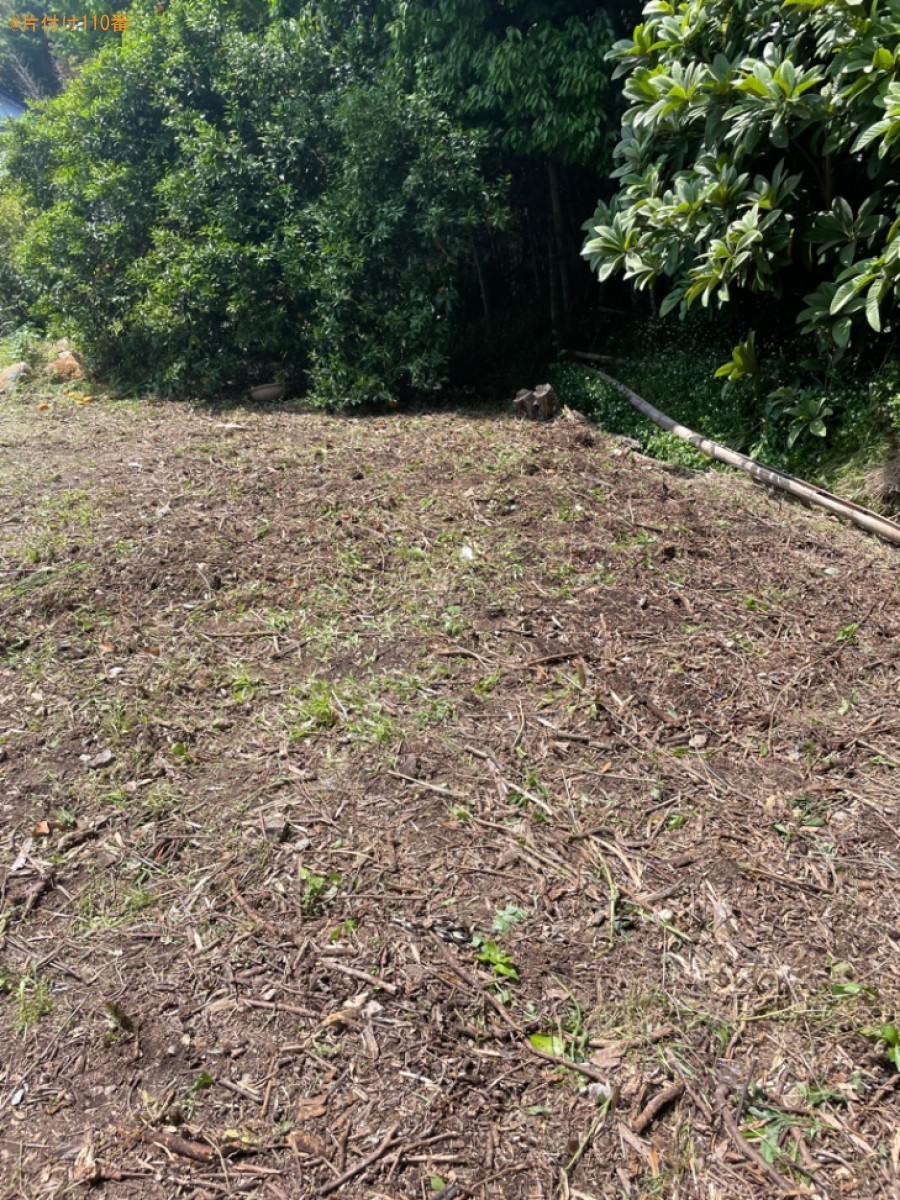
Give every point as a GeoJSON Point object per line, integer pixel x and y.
{"type": "Point", "coordinates": [863, 517]}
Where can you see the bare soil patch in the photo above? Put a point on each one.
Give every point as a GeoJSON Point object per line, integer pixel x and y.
{"type": "Point", "coordinates": [436, 805]}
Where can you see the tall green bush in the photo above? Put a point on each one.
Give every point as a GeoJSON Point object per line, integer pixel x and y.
{"type": "Point", "coordinates": [389, 233]}
{"type": "Point", "coordinates": [14, 297]}
{"type": "Point", "coordinates": [233, 200]}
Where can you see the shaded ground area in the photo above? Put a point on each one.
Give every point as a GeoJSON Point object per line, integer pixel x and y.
{"type": "Point", "coordinates": [435, 805]}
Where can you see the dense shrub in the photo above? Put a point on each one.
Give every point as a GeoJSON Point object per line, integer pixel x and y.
{"type": "Point", "coordinates": [231, 202]}
{"type": "Point", "coordinates": [389, 234]}
{"type": "Point", "coordinates": [14, 296]}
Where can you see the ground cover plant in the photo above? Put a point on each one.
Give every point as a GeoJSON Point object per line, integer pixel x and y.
{"type": "Point", "coordinates": [434, 804]}
{"type": "Point", "coordinates": [836, 425]}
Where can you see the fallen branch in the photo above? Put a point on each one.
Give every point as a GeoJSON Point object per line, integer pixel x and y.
{"type": "Point", "coordinates": [609, 359]}
{"type": "Point", "coordinates": [255, 917]}
{"type": "Point", "coordinates": [586, 1069]}
{"type": "Point", "coordinates": [754, 1156]}
{"type": "Point", "coordinates": [178, 1145]}
{"type": "Point", "coordinates": [649, 1114]}
{"type": "Point", "coordinates": [562, 656]}
{"type": "Point", "coordinates": [75, 838]}
{"type": "Point", "coordinates": [808, 492]}
{"type": "Point", "coordinates": [429, 787]}
{"type": "Point", "coordinates": [364, 1163]}
{"type": "Point", "coordinates": [34, 895]}
{"type": "Point", "coordinates": [364, 976]}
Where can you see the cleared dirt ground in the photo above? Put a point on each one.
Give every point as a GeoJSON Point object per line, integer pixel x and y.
{"type": "Point", "coordinates": [431, 805]}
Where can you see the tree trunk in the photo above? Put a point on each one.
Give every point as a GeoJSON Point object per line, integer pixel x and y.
{"type": "Point", "coordinates": [559, 237]}
{"type": "Point", "coordinates": [535, 256]}
{"type": "Point", "coordinates": [482, 287]}
{"type": "Point", "coordinates": [555, 315]}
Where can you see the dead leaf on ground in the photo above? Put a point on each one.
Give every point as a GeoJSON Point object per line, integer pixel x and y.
{"type": "Point", "coordinates": [84, 1169]}
{"type": "Point", "coordinates": [348, 1015]}
{"type": "Point", "coordinates": [102, 759]}
{"type": "Point", "coordinates": [608, 1057]}
{"type": "Point", "coordinates": [243, 1140]}
{"type": "Point", "coordinates": [21, 860]}
{"type": "Point", "coordinates": [371, 1043]}
{"type": "Point", "coordinates": [302, 1142]}
{"type": "Point", "coordinates": [310, 1107]}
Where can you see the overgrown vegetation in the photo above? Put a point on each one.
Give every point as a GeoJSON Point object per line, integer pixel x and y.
{"type": "Point", "coordinates": [757, 176]}
{"type": "Point", "coordinates": [373, 200]}
{"type": "Point", "coordinates": [233, 201]}
{"type": "Point", "coordinates": [328, 193]}
{"type": "Point", "coordinates": [805, 416]}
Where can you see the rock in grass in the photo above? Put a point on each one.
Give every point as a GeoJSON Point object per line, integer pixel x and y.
{"type": "Point", "coordinates": [17, 373]}
{"type": "Point", "coordinates": [66, 367]}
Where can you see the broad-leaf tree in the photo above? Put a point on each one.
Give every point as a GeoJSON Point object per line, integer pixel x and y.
{"type": "Point", "coordinates": [759, 153]}
{"type": "Point", "coordinates": [358, 194]}
{"type": "Point", "coordinates": [41, 47]}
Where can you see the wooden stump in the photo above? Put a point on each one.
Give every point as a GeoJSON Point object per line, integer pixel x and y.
{"type": "Point", "coordinates": [539, 404]}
